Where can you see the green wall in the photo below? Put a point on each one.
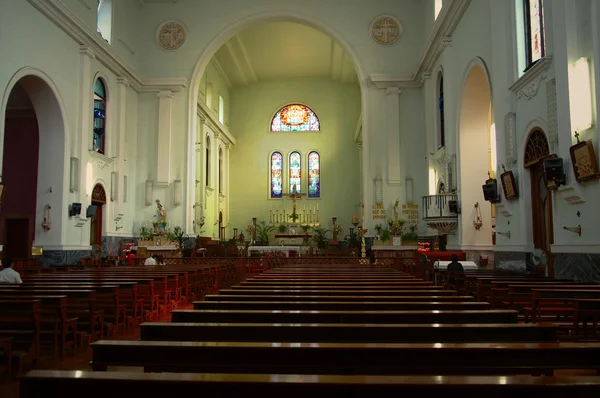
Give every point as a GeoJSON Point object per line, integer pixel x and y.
{"type": "Point", "coordinates": [338, 107]}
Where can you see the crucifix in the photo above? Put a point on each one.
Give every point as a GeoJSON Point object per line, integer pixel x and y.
{"type": "Point", "coordinates": [294, 195]}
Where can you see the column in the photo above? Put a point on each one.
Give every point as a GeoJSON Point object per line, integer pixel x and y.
{"type": "Point", "coordinates": [214, 175]}
{"type": "Point", "coordinates": [226, 183]}
{"type": "Point", "coordinates": [392, 107]}
{"type": "Point", "coordinates": [596, 60]}
{"type": "Point", "coordinates": [122, 84]}
{"type": "Point", "coordinates": [163, 155]}
{"type": "Point", "coordinates": [86, 110]}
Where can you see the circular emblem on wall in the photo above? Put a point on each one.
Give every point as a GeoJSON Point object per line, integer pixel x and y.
{"type": "Point", "coordinates": [386, 30]}
{"type": "Point", "coordinates": [171, 35]}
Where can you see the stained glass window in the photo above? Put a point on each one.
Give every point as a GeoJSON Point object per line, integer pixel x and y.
{"type": "Point", "coordinates": [295, 172]}
{"type": "Point", "coordinates": [314, 175]}
{"type": "Point", "coordinates": [276, 175]}
{"type": "Point", "coordinates": [99, 116]}
{"type": "Point", "coordinates": [534, 30]}
{"type": "Point", "coordinates": [295, 117]}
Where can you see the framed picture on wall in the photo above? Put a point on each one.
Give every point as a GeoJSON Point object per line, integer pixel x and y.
{"type": "Point", "coordinates": [2, 186]}
{"type": "Point", "coordinates": [508, 185]}
{"type": "Point", "coordinates": [583, 158]}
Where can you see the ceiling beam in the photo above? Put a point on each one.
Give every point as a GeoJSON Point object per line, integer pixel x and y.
{"type": "Point", "coordinates": [236, 61]}
{"type": "Point", "coordinates": [221, 71]}
{"type": "Point", "coordinates": [249, 67]}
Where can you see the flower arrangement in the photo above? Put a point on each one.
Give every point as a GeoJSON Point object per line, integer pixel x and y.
{"type": "Point", "coordinates": [294, 216]}
{"type": "Point", "coordinates": [274, 257]}
{"type": "Point", "coordinates": [396, 226]}
{"type": "Point", "coordinates": [355, 221]}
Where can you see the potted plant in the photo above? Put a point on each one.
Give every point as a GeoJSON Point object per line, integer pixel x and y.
{"type": "Point", "coordinates": [320, 238]}
{"type": "Point", "coordinates": [145, 233]}
{"type": "Point", "coordinates": [353, 239]}
{"type": "Point", "coordinates": [179, 237]}
{"type": "Point", "coordinates": [385, 236]}
{"type": "Point", "coordinates": [281, 228]}
{"type": "Point", "coordinates": [411, 238]}
{"type": "Point", "coordinates": [263, 232]}
{"type": "Point", "coordinates": [396, 226]}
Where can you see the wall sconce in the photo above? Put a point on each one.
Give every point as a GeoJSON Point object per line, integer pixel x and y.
{"type": "Point", "coordinates": [74, 182]}
{"type": "Point", "coordinates": [581, 100]}
{"type": "Point", "coordinates": [409, 190]}
{"type": "Point", "coordinates": [490, 190]}
{"type": "Point", "coordinates": [47, 223]}
{"type": "Point", "coordinates": [576, 229]}
{"type": "Point", "coordinates": [114, 186]}
{"type": "Point", "coordinates": [506, 234]}
{"type": "Point", "coordinates": [378, 190]}
{"type": "Point", "coordinates": [177, 188]}
{"type": "Point", "coordinates": [149, 189]}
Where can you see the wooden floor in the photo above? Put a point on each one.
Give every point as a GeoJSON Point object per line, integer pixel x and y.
{"type": "Point", "coordinates": [74, 361]}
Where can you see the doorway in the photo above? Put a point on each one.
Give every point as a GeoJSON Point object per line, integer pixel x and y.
{"type": "Point", "coordinates": [96, 220]}
{"type": "Point", "coordinates": [536, 150]}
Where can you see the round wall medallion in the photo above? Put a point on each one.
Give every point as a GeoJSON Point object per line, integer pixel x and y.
{"type": "Point", "coordinates": [386, 30]}
{"type": "Point", "coordinates": [171, 35]}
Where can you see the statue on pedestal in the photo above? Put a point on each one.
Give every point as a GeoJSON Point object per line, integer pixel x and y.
{"type": "Point", "coordinates": [160, 225]}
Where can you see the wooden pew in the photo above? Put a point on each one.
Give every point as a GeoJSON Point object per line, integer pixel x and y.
{"type": "Point", "coordinates": [348, 333]}
{"type": "Point", "coordinates": [400, 297]}
{"type": "Point", "coordinates": [586, 310]}
{"type": "Point", "coordinates": [557, 302]}
{"type": "Point", "coordinates": [54, 321]}
{"type": "Point", "coordinates": [340, 305]}
{"type": "Point", "coordinates": [6, 356]}
{"type": "Point", "coordinates": [519, 295]}
{"type": "Point", "coordinates": [240, 316]}
{"type": "Point", "coordinates": [20, 319]}
{"type": "Point", "coordinates": [429, 290]}
{"type": "Point", "coordinates": [347, 359]}
{"type": "Point", "coordinates": [69, 384]}
{"type": "Point", "coordinates": [337, 286]}
{"type": "Point", "coordinates": [81, 304]}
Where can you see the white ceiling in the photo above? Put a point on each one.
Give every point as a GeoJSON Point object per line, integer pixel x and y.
{"type": "Point", "coordinates": [283, 50]}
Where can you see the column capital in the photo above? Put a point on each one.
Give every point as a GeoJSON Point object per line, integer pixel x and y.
{"type": "Point", "coordinates": [122, 80]}
{"type": "Point", "coordinates": [227, 146]}
{"type": "Point", "coordinates": [165, 94]}
{"type": "Point", "coordinates": [393, 91]}
{"type": "Point", "coordinates": [87, 51]}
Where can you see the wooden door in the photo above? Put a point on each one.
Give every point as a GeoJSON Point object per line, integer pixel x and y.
{"type": "Point", "coordinates": [18, 238]}
{"type": "Point", "coordinates": [541, 210]}
{"type": "Point", "coordinates": [96, 225]}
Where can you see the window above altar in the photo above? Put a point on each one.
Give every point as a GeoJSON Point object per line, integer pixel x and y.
{"type": "Point", "coordinates": [295, 117]}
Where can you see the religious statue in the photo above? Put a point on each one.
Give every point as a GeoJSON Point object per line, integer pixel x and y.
{"type": "Point", "coordinates": [161, 218]}
{"type": "Point", "coordinates": [395, 210]}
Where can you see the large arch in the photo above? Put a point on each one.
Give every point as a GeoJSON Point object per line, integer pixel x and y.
{"type": "Point", "coordinates": [53, 138]}
{"type": "Point", "coordinates": [475, 116]}
{"type": "Point", "coordinates": [211, 50]}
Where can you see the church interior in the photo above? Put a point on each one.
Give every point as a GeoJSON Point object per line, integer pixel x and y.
{"type": "Point", "coordinates": [251, 163]}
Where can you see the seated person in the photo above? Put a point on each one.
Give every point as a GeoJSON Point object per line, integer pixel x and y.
{"type": "Point", "coordinates": [454, 269]}
{"type": "Point", "coordinates": [150, 260]}
{"type": "Point", "coordinates": [8, 274]}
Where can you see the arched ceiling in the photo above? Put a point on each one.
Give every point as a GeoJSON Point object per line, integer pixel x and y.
{"type": "Point", "coordinates": [283, 50]}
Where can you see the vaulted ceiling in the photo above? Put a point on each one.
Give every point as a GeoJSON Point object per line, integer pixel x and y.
{"type": "Point", "coordinates": [283, 50]}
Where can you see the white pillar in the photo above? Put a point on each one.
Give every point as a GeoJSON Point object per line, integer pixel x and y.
{"type": "Point", "coordinates": [226, 188]}
{"type": "Point", "coordinates": [392, 105]}
{"type": "Point", "coordinates": [81, 146]}
{"type": "Point", "coordinates": [122, 84]}
{"type": "Point", "coordinates": [163, 155]}
{"type": "Point", "coordinates": [596, 61]}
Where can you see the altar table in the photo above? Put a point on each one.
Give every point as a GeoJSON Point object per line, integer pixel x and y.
{"type": "Point", "coordinates": [284, 249]}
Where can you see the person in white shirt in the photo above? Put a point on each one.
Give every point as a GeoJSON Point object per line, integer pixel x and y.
{"type": "Point", "coordinates": [9, 275]}
{"type": "Point", "coordinates": [150, 261]}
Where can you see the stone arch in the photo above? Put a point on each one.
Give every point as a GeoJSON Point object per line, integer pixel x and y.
{"type": "Point", "coordinates": [53, 140]}
{"type": "Point", "coordinates": [536, 147]}
{"type": "Point", "coordinates": [475, 116]}
{"type": "Point", "coordinates": [219, 40]}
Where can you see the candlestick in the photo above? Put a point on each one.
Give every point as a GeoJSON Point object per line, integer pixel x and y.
{"type": "Point", "coordinates": [317, 207]}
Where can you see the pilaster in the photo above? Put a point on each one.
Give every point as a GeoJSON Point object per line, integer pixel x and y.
{"type": "Point", "coordinates": [392, 105]}
{"type": "Point", "coordinates": [163, 155]}
{"type": "Point", "coordinates": [86, 106]}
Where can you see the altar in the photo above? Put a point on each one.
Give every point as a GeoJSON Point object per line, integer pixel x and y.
{"type": "Point", "coordinates": [291, 239]}
{"type": "Point", "coordinates": [284, 249]}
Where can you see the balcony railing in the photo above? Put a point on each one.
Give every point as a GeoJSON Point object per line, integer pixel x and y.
{"type": "Point", "coordinates": [437, 206]}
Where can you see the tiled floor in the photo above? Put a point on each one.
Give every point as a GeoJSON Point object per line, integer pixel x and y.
{"type": "Point", "coordinates": [72, 361]}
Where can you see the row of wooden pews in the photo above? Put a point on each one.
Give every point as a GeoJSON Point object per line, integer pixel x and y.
{"type": "Point", "coordinates": [67, 310]}
{"type": "Point", "coordinates": [345, 330]}
{"type": "Point", "coordinates": [567, 303]}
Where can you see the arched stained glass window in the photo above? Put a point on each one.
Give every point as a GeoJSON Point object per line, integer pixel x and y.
{"type": "Point", "coordinates": [98, 138]}
{"type": "Point", "coordinates": [295, 172]}
{"type": "Point", "coordinates": [295, 117]}
{"type": "Point", "coordinates": [314, 175]}
{"type": "Point", "coordinates": [276, 175]}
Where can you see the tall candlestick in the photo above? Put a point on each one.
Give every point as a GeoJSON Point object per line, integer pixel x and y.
{"type": "Point", "coordinates": [317, 207]}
